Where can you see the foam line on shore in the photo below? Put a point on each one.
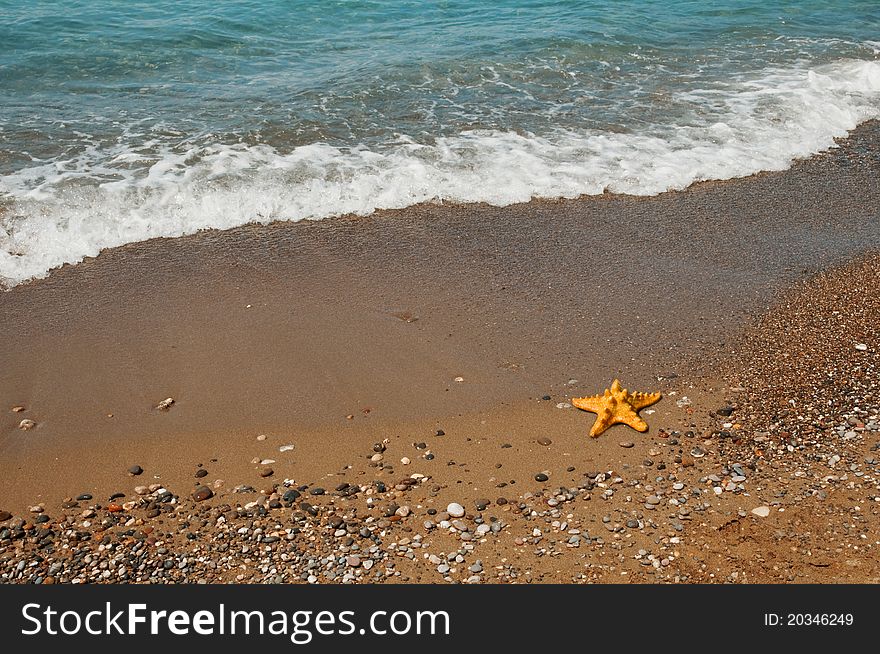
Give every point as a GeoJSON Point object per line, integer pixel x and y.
{"type": "Point", "coordinates": [58, 212]}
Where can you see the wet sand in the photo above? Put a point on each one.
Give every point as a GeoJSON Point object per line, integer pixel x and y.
{"type": "Point", "coordinates": [289, 329]}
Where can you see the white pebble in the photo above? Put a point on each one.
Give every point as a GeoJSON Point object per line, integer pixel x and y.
{"type": "Point", "coordinates": [455, 510]}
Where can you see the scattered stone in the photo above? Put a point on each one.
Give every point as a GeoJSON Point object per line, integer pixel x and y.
{"type": "Point", "coordinates": [202, 493]}
{"type": "Point", "coordinates": [201, 472]}
{"type": "Point", "coordinates": [455, 510]}
{"type": "Point", "coordinates": [26, 424]}
{"type": "Point", "coordinates": [761, 511]}
{"type": "Point", "coordinates": [541, 477]}
{"type": "Point", "coordinates": [544, 441]}
{"type": "Point", "coordinates": [627, 444]}
{"type": "Point", "coordinates": [135, 470]}
{"type": "Point", "coordinates": [165, 404]}
{"type": "Point", "coordinates": [266, 472]}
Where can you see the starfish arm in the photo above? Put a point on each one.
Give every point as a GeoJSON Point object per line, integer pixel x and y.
{"type": "Point", "coordinates": [639, 401]}
{"type": "Point", "coordinates": [637, 423]}
{"type": "Point", "coordinates": [603, 421]}
{"type": "Point", "coordinates": [593, 403]}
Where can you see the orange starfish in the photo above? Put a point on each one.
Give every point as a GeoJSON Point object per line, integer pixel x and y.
{"type": "Point", "coordinates": [616, 405]}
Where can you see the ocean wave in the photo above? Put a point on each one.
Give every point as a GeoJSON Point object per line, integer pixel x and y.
{"type": "Point", "coordinates": [61, 211]}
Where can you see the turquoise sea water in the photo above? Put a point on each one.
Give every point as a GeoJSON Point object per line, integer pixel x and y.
{"type": "Point", "coordinates": [125, 120]}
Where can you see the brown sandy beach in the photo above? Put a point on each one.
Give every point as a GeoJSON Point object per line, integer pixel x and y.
{"type": "Point", "coordinates": [345, 334]}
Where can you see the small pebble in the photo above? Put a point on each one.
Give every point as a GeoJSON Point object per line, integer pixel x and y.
{"type": "Point", "coordinates": [455, 510]}
{"type": "Point", "coordinates": [202, 493]}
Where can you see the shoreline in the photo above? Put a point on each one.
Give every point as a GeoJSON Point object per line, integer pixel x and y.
{"type": "Point", "coordinates": [286, 330]}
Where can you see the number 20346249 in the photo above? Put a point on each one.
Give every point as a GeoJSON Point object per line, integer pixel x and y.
{"type": "Point", "coordinates": [808, 619]}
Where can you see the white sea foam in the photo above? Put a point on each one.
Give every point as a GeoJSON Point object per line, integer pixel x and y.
{"type": "Point", "coordinates": [62, 211]}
